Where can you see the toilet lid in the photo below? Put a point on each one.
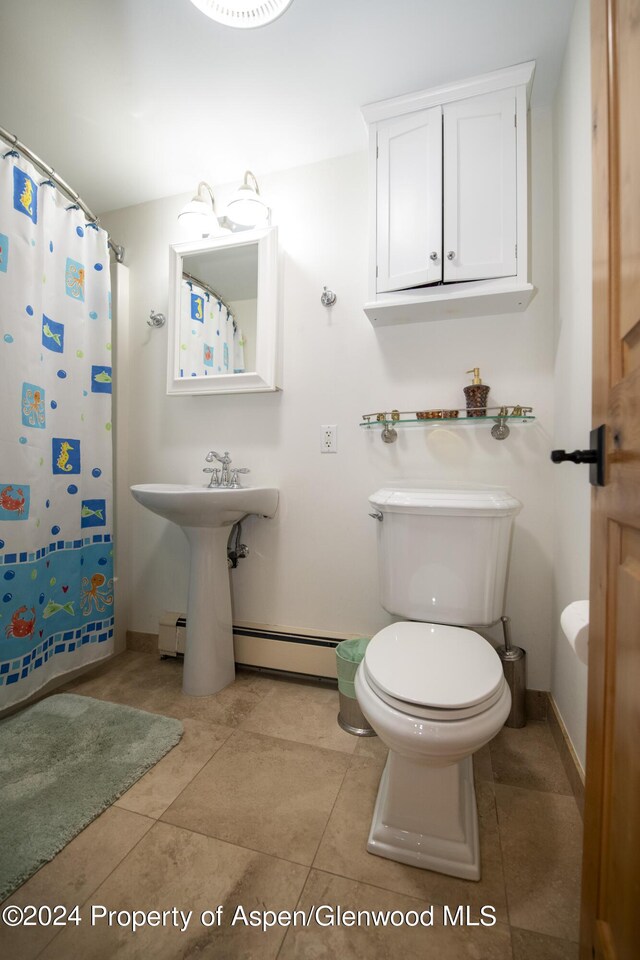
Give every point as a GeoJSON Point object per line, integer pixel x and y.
{"type": "Point", "coordinates": [434, 665]}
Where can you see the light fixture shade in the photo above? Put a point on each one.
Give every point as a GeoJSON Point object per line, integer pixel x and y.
{"type": "Point", "coordinates": [246, 208]}
{"type": "Point", "coordinates": [243, 13]}
{"type": "Point", "coordinates": [197, 218]}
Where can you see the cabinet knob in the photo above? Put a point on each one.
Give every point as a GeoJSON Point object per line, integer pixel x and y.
{"type": "Point", "coordinates": [433, 256]}
{"type": "Point", "coordinates": [451, 255]}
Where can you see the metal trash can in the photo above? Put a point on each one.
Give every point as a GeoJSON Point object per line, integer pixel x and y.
{"type": "Point", "coordinates": [349, 653]}
{"type": "Point", "coordinates": [514, 666]}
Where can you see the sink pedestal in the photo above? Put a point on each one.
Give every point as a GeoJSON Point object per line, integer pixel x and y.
{"type": "Point", "coordinates": [208, 658]}
{"type": "Point", "coordinates": [206, 515]}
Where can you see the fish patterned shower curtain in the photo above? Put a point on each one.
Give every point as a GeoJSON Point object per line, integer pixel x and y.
{"type": "Point", "coordinates": [56, 545]}
{"type": "Point", "coordinates": [212, 342]}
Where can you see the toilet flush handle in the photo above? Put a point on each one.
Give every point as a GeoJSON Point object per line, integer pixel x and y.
{"type": "Point", "coordinates": [377, 515]}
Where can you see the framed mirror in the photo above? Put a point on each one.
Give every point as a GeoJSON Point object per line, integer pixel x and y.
{"type": "Point", "coordinates": [223, 314]}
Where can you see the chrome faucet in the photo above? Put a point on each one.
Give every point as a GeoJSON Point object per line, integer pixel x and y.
{"type": "Point", "coordinates": [225, 460]}
{"type": "Point", "coordinates": [222, 476]}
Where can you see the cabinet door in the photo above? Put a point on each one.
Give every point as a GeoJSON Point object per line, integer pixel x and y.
{"type": "Point", "coordinates": [480, 187]}
{"type": "Point", "coordinates": [409, 201]}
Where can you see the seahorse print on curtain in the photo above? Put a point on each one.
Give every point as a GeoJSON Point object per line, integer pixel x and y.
{"type": "Point", "coordinates": [56, 545]}
{"type": "Point", "coordinates": [209, 334]}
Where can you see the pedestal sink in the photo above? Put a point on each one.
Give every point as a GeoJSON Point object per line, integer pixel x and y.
{"type": "Point", "coordinates": [205, 515]}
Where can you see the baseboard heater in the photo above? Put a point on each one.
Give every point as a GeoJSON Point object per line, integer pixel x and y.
{"type": "Point", "coordinates": [310, 652]}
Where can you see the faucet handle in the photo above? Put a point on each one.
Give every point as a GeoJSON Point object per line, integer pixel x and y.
{"type": "Point", "coordinates": [234, 481]}
{"type": "Point", "coordinates": [215, 475]}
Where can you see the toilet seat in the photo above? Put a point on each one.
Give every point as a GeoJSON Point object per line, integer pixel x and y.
{"type": "Point", "coordinates": [433, 671]}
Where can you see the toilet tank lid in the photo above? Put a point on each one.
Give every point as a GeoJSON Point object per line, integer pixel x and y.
{"type": "Point", "coordinates": [443, 501]}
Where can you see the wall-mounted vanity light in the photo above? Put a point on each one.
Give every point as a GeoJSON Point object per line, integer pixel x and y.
{"type": "Point", "coordinates": [243, 13]}
{"type": "Point", "coordinates": [198, 218]}
{"type": "Point", "coordinates": [246, 208]}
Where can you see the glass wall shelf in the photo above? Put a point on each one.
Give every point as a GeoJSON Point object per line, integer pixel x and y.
{"type": "Point", "coordinates": [500, 417]}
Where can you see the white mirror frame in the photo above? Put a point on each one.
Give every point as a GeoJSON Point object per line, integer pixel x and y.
{"type": "Point", "coordinates": [264, 378]}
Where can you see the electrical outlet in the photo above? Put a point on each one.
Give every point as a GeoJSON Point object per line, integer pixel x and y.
{"type": "Point", "coordinates": [328, 438]}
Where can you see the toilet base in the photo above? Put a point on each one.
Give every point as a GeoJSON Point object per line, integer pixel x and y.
{"type": "Point", "coordinates": [427, 817]}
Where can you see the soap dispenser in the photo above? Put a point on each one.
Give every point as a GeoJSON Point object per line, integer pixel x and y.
{"type": "Point", "coordinates": [476, 394]}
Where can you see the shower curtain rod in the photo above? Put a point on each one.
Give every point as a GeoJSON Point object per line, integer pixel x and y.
{"type": "Point", "coordinates": [52, 175]}
{"type": "Point", "coordinates": [205, 286]}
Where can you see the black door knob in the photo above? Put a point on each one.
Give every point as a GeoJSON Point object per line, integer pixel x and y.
{"type": "Point", "coordinates": [576, 456]}
{"type": "Point", "coordinates": [595, 456]}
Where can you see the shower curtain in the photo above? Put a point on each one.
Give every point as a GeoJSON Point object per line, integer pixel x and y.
{"type": "Point", "coordinates": [212, 342]}
{"type": "Point", "coordinates": [56, 546]}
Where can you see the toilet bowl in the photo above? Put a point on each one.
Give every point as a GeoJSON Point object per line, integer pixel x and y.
{"type": "Point", "coordinates": [434, 694]}
{"type": "Point", "coordinates": [431, 687]}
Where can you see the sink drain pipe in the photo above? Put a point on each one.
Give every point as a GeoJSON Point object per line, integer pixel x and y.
{"type": "Point", "coordinates": [236, 551]}
{"type": "Point", "coordinates": [514, 666]}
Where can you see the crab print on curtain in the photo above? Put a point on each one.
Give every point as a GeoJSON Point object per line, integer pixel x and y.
{"type": "Point", "coordinates": [56, 545]}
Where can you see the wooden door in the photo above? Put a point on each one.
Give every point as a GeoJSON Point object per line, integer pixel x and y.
{"type": "Point", "coordinates": [610, 926]}
{"type": "Point", "coordinates": [480, 210]}
{"type": "Point", "coordinates": [409, 201]}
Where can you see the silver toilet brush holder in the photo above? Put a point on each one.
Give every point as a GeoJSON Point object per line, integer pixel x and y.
{"type": "Point", "coordinates": [514, 666]}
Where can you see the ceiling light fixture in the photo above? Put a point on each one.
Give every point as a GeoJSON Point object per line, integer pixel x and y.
{"type": "Point", "coordinates": [198, 218]}
{"type": "Point", "coordinates": [243, 13]}
{"type": "Point", "coordinates": [246, 208]}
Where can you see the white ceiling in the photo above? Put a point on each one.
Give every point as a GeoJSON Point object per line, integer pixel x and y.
{"type": "Point", "coordinates": [130, 100]}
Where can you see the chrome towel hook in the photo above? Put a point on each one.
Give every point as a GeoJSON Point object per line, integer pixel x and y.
{"type": "Point", "coordinates": [327, 298]}
{"type": "Point", "coordinates": [156, 319]}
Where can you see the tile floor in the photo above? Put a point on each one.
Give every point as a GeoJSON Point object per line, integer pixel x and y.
{"type": "Point", "coordinates": [266, 803]}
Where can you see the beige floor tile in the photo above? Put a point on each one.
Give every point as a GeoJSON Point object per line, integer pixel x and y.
{"type": "Point", "coordinates": [537, 946]}
{"type": "Point", "coordinates": [273, 786]}
{"type": "Point", "coordinates": [372, 748]}
{"type": "Point", "coordinates": [343, 849]}
{"type": "Point", "coordinates": [145, 681]}
{"type": "Point", "coordinates": [175, 868]}
{"type": "Point", "coordinates": [370, 942]}
{"type": "Point", "coordinates": [121, 673]}
{"type": "Point", "coordinates": [301, 712]}
{"type": "Point", "coordinates": [263, 793]}
{"type": "Point", "coordinates": [154, 792]}
{"type": "Point", "coordinates": [528, 757]}
{"type": "Point", "coordinates": [132, 678]}
{"type": "Point", "coordinates": [72, 876]}
{"type": "Point", "coordinates": [490, 848]}
{"type": "Point", "coordinates": [229, 707]}
{"type": "Point", "coordinates": [142, 642]}
{"type": "Point", "coordinates": [482, 766]}
{"type": "Point", "coordinates": [541, 837]}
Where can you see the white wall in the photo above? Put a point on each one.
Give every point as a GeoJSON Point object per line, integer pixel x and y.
{"type": "Point", "coordinates": [315, 564]}
{"type": "Point", "coordinates": [121, 407]}
{"type": "Point", "coordinates": [572, 377]}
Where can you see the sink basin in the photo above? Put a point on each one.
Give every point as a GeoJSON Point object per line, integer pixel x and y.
{"type": "Point", "coordinates": [191, 506]}
{"type": "Point", "coordinates": [205, 515]}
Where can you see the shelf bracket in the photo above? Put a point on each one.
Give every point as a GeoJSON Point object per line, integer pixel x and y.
{"type": "Point", "coordinates": [500, 430]}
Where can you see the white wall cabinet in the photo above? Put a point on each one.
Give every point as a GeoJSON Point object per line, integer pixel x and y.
{"type": "Point", "coordinates": [480, 208]}
{"type": "Point", "coordinates": [409, 178]}
{"type": "Point", "coordinates": [449, 200]}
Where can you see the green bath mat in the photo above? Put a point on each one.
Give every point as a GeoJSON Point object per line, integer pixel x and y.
{"type": "Point", "coordinates": [62, 762]}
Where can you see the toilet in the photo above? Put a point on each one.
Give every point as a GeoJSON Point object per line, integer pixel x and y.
{"type": "Point", "coordinates": [430, 686]}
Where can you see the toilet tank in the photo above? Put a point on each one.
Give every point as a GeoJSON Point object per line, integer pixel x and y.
{"type": "Point", "coordinates": [443, 553]}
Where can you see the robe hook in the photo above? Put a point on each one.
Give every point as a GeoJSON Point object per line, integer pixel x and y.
{"type": "Point", "coordinates": [328, 297]}
{"type": "Point", "coordinates": [156, 319]}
